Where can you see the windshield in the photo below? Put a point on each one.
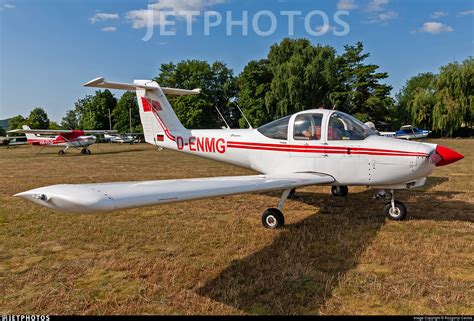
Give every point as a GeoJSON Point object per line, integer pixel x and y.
{"type": "Point", "coordinates": [345, 127]}
{"type": "Point", "coordinates": [277, 129]}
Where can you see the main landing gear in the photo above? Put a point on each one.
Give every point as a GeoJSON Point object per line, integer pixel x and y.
{"type": "Point", "coordinates": [86, 151]}
{"type": "Point", "coordinates": [273, 218]}
{"type": "Point", "coordinates": [339, 191]}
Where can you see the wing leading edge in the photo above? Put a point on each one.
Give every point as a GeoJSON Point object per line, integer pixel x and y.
{"type": "Point", "coordinates": [107, 197]}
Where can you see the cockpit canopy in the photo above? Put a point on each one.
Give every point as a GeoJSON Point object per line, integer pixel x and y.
{"type": "Point", "coordinates": [308, 126]}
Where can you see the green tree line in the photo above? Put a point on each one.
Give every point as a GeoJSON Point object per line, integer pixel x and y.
{"type": "Point", "coordinates": [296, 75]}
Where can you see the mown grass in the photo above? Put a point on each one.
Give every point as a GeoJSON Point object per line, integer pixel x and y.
{"type": "Point", "coordinates": [214, 257]}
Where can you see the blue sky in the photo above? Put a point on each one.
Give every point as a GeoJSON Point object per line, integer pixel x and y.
{"type": "Point", "coordinates": [48, 49]}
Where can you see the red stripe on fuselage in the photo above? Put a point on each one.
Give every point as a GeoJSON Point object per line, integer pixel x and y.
{"type": "Point", "coordinates": [322, 149]}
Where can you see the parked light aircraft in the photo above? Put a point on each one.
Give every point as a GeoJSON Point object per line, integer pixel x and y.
{"type": "Point", "coordinates": [13, 141]}
{"type": "Point", "coordinates": [408, 132]}
{"type": "Point", "coordinates": [312, 147]}
{"type": "Point", "coordinates": [76, 138]}
{"type": "Point", "coordinates": [120, 139]}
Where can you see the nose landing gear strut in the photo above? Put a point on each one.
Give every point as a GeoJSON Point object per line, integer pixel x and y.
{"type": "Point", "coordinates": [394, 210]}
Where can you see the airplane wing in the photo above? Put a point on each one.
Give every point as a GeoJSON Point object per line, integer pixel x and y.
{"type": "Point", "coordinates": [41, 131]}
{"type": "Point", "coordinates": [59, 131]}
{"type": "Point", "coordinates": [100, 132]}
{"type": "Point", "coordinates": [107, 197]}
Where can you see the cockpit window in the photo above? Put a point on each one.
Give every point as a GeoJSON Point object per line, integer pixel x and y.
{"type": "Point", "coordinates": [307, 127]}
{"type": "Point", "coordinates": [345, 127]}
{"type": "Point", "coordinates": [277, 129]}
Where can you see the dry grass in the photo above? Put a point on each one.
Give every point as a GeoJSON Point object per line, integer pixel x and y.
{"type": "Point", "coordinates": [214, 257]}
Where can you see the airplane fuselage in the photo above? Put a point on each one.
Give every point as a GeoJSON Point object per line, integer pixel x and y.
{"type": "Point", "coordinates": [60, 141]}
{"type": "Point", "coordinates": [373, 161]}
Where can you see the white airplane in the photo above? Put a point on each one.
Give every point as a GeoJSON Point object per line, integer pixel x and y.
{"type": "Point", "coordinates": [76, 138]}
{"type": "Point", "coordinates": [408, 132]}
{"type": "Point", "coordinates": [312, 147]}
{"type": "Point", "coordinates": [120, 139]}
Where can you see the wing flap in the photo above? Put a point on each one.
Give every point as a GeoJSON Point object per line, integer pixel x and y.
{"type": "Point", "coordinates": [92, 198]}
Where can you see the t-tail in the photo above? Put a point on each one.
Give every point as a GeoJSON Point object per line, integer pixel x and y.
{"type": "Point", "coordinates": [159, 121]}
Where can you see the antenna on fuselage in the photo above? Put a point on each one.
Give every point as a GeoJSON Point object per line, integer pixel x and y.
{"type": "Point", "coordinates": [218, 111]}
{"type": "Point", "coordinates": [243, 115]}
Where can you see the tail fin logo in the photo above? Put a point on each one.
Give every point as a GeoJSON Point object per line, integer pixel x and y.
{"type": "Point", "coordinates": [149, 105]}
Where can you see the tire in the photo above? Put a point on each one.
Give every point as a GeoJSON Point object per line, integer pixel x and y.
{"type": "Point", "coordinates": [399, 214]}
{"type": "Point", "coordinates": [273, 218]}
{"type": "Point", "coordinates": [88, 152]}
{"type": "Point", "coordinates": [339, 191]}
{"type": "Point", "coordinates": [292, 194]}
{"type": "Point", "coordinates": [61, 152]}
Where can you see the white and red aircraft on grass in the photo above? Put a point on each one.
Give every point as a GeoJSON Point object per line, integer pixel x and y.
{"type": "Point", "coordinates": [76, 138]}
{"type": "Point", "coordinates": [312, 147]}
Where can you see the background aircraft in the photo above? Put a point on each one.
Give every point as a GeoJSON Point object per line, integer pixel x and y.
{"type": "Point", "coordinates": [312, 147]}
{"type": "Point", "coordinates": [407, 132]}
{"type": "Point", "coordinates": [13, 141]}
{"type": "Point", "coordinates": [120, 139]}
{"type": "Point", "coordinates": [76, 138]}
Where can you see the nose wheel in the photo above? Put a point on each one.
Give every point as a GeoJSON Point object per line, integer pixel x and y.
{"type": "Point", "coordinates": [395, 210]}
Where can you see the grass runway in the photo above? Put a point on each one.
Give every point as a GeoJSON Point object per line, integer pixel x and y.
{"type": "Point", "coordinates": [335, 256]}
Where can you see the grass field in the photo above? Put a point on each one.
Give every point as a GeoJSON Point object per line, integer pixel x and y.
{"type": "Point", "coordinates": [335, 256]}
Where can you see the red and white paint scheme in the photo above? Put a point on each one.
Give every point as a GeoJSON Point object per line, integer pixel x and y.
{"type": "Point", "coordinates": [313, 147]}
{"type": "Point", "coordinates": [76, 138]}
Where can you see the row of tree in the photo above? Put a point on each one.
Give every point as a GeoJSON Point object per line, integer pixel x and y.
{"type": "Point", "coordinates": [443, 102]}
{"type": "Point", "coordinates": [295, 76]}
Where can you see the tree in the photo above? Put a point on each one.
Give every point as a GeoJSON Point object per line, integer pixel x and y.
{"type": "Point", "coordinates": [253, 84]}
{"type": "Point", "coordinates": [16, 122]}
{"type": "Point", "coordinates": [416, 100]}
{"type": "Point", "coordinates": [38, 119]}
{"type": "Point", "coordinates": [303, 76]}
{"type": "Point", "coordinates": [92, 112]}
{"type": "Point", "coordinates": [70, 121]}
{"type": "Point", "coordinates": [442, 102]}
{"type": "Point", "coordinates": [121, 113]}
{"type": "Point", "coordinates": [454, 97]}
{"type": "Point", "coordinates": [217, 91]}
{"type": "Point", "coordinates": [362, 93]}
{"type": "Point", "coordinates": [2, 131]}
{"type": "Point", "coordinates": [54, 125]}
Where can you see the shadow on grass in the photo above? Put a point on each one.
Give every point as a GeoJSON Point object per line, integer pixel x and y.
{"type": "Point", "coordinates": [298, 272]}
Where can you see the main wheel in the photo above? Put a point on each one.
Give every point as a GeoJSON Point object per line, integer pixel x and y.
{"type": "Point", "coordinates": [61, 152]}
{"type": "Point", "coordinates": [273, 218]}
{"type": "Point", "coordinates": [292, 194]}
{"type": "Point", "coordinates": [339, 191]}
{"type": "Point", "coordinates": [398, 213]}
{"type": "Point", "coordinates": [88, 152]}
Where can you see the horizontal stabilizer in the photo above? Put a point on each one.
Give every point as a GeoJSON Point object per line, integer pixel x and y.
{"type": "Point", "coordinates": [141, 84]}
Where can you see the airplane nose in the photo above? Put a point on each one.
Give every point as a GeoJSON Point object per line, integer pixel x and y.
{"type": "Point", "coordinates": [448, 155]}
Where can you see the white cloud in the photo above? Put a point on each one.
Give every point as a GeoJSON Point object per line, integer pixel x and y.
{"type": "Point", "coordinates": [435, 28]}
{"type": "Point", "coordinates": [9, 6]}
{"type": "Point", "coordinates": [438, 14]}
{"type": "Point", "coordinates": [346, 5]}
{"type": "Point", "coordinates": [109, 29]}
{"type": "Point", "coordinates": [139, 18]}
{"type": "Point", "coordinates": [466, 13]}
{"type": "Point", "coordinates": [101, 16]}
{"type": "Point", "coordinates": [383, 17]}
{"type": "Point", "coordinates": [377, 5]}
